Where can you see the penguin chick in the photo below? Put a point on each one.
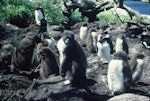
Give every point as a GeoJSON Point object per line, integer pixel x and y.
{"type": "Point", "coordinates": [49, 41]}
{"type": "Point", "coordinates": [136, 64]}
{"type": "Point", "coordinates": [91, 40]}
{"type": "Point", "coordinates": [48, 63]}
{"type": "Point", "coordinates": [119, 74]}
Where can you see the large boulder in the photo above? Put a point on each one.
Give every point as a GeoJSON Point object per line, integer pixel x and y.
{"type": "Point", "coordinates": [129, 97]}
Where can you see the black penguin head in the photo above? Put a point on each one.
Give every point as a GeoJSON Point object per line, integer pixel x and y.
{"type": "Point", "coordinates": [100, 38]}
{"type": "Point", "coordinates": [45, 35]}
{"type": "Point", "coordinates": [103, 37]}
{"type": "Point", "coordinates": [38, 8]}
{"type": "Point", "coordinates": [93, 30]}
{"type": "Point", "coordinates": [68, 37]}
{"type": "Point", "coordinates": [121, 55]}
{"type": "Point", "coordinates": [33, 36]}
{"type": "Point", "coordinates": [43, 53]}
{"type": "Point", "coordinates": [85, 25]}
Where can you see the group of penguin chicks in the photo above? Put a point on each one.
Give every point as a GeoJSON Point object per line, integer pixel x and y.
{"type": "Point", "coordinates": [43, 49]}
{"type": "Point", "coordinates": [123, 71]}
{"type": "Point", "coordinates": [66, 58]}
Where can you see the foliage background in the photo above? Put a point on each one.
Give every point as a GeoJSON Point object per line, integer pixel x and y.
{"type": "Point", "coordinates": [10, 8]}
{"type": "Point", "coordinates": [52, 9]}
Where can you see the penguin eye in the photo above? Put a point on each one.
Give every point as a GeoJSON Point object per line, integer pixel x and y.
{"type": "Point", "coordinates": [68, 41]}
{"type": "Point", "coordinates": [43, 53]}
{"type": "Point", "coordinates": [68, 38]}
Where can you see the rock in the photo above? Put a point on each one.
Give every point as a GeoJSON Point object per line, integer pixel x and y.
{"type": "Point", "coordinates": [133, 29]}
{"type": "Point", "coordinates": [57, 28]}
{"type": "Point", "coordinates": [56, 34]}
{"type": "Point", "coordinates": [44, 89]}
{"type": "Point", "coordinates": [129, 97]}
{"type": "Point", "coordinates": [145, 0]}
{"type": "Point", "coordinates": [12, 81]}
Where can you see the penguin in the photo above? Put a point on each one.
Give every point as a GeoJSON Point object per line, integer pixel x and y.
{"type": "Point", "coordinates": [136, 64]}
{"type": "Point", "coordinates": [46, 41]}
{"type": "Point", "coordinates": [48, 63]}
{"type": "Point", "coordinates": [39, 14]}
{"type": "Point", "coordinates": [145, 39]}
{"type": "Point", "coordinates": [83, 31]}
{"type": "Point", "coordinates": [5, 55]}
{"type": "Point", "coordinates": [91, 40]}
{"type": "Point", "coordinates": [44, 27]}
{"type": "Point", "coordinates": [105, 47]}
{"type": "Point", "coordinates": [119, 75]}
{"type": "Point", "coordinates": [121, 44]}
{"type": "Point", "coordinates": [73, 61]}
{"type": "Point", "coordinates": [24, 53]}
{"type": "Point", "coordinates": [49, 41]}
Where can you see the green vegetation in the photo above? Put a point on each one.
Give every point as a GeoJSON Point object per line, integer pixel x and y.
{"type": "Point", "coordinates": [11, 10]}
{"type": "Point", "coordinates": [114, 16]}
{"type": "Point", "coordinates": [77, 16]}
{"type": "Point", "coordinates": [52, 11]}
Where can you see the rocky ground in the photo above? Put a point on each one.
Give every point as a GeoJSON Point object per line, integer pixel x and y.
{"type": "Point", "coordinates": [19, 87]}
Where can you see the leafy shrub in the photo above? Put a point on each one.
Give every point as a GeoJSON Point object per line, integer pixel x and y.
{"type": "Point", "coordinates": [76, 16]}
{"type": "Point", "coordinates": [12, 10]}
{"type": "Point", "coordinates": [24, 10]}
{"type": "Point", "coordinates": [52, 11]}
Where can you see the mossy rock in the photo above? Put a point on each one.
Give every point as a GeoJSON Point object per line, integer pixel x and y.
{"type": "Point", "coordinates": [112, 15]}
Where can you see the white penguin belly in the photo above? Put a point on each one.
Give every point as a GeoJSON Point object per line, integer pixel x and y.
{"type": "Point", "coordinates": [52, 44]}
{"type": "Point", "coordinates": [61, 48]}
{"type": "Point", "coordinates": [115, 76]}
{"type": "Point", "coordinates": [83, 33]}
{"type": "Point", "coordinates": [119, 45]}
{"type": "Point", "coordinates": [104, 51]}
{"type": "Point", "coordinates": [38, 16]}
{"type": "Point", "coordinates": [94, 38]}
{"type": "Point", "coordinates": [48, 29]}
